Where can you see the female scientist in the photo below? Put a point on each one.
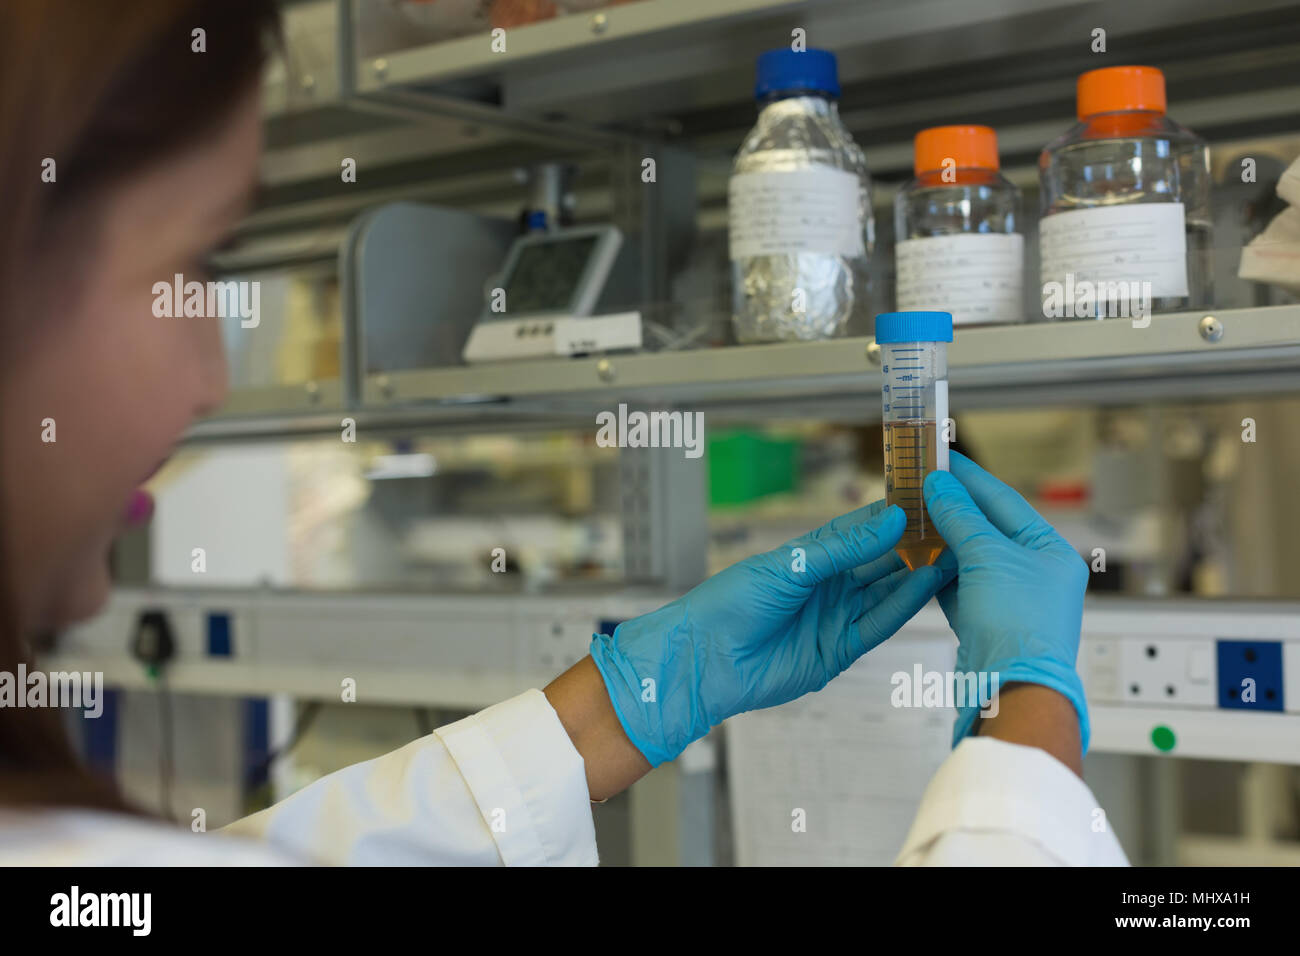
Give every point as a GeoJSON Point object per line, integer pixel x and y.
{"type": "Point", "coordinates": [128, 155]}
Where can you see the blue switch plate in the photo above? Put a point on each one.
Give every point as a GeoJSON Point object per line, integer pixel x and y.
{"type": "Point", "coordinates": [220, 639]}
{"type": "Point", "coordinates": [1240, 663]}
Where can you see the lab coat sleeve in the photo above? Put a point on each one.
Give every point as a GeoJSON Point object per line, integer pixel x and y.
{"type": "Point", "coordinates": [994, 803]}
{"type": "Point", "coordinates": [505, 785]}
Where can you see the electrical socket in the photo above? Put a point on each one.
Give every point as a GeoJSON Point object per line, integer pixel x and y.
{"type": "Point", "coordinates": [1171, 673]}
{"type": "Point", "coordinates": [1257, 661]}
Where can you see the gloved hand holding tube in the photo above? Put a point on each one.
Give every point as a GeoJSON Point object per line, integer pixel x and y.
{"type": "Point", "coordinates": [1017, 603]}
{"type": "Point", "coordinates": [763, 632]}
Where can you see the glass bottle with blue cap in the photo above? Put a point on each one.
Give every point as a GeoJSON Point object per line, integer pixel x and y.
{"type": "Point", "coordinates": [914, 360]}
{"type": "Point", "coordinates": [799, 208]}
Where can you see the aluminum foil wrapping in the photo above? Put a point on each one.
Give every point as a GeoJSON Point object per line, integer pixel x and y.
{"type": "Point", "coordinates": [792, 135]}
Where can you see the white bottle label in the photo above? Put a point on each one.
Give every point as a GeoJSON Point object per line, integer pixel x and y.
{"type": "Point", "coordinates": [806, 210]}
{"type": "Point", "coordinates": [941, 424]}
{"type": "Point", "coordinates": [977, 277]}
{"type": "Point", "coordinates": [1135, 244]}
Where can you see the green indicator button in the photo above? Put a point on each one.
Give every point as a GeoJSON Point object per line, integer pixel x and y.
{"type": "Point", "coordinates": [1163, 738]}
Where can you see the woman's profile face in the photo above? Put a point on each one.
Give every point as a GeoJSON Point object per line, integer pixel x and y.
{"type": "Point", "coordinates": [94, 369]}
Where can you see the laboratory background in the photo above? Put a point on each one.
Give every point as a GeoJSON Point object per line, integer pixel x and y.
{"type": "Point", "coordinates": [492, 232]}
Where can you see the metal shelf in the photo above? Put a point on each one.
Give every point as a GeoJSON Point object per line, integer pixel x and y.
{"type": "Point", "coordinates": [603, 33]}
{"type": "Point", "coordinates": [685, 69]}
{"type": "Point", "coordinates": [1005, 366]}
{"type": "Point", "coordinates": [292, 400]}
{"type": "Point", "coordinates": [903, 64]}
{"type": "Point", "coordinates": [995, 362]}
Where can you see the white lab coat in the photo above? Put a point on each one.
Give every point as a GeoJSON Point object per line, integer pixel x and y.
{"type": "Point", "coordinates": [507, 786]}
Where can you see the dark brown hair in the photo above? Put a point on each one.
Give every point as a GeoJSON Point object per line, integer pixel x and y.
{"type": "Point", "coordinates": [105, 89]}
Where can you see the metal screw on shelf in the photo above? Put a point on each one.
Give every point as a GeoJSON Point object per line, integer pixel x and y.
{"type": "Point", "coordinates": [380, 66]}
{"type": "Point", "coordinates": [313, 392]}
{"type": "Point", "coordinates": [605, 369]}
{"type": "Point", "coordinates": [385, 386]}
{"type": "Point", "coordinates": [873, 353]}
{"type": "Point", "coordinates": [599, 23]}
{"type": "Point", "coordinates": [1211, 329]}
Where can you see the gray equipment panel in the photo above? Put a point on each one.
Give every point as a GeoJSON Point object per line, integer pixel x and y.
{"type": "Point", "coordinates": [414, 279]}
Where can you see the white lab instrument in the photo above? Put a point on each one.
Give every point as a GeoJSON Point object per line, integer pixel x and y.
{"type": "Point", "coordinates": [543, 300]}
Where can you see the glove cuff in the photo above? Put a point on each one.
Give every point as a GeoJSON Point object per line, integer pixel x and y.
{"type": "Point", "coordinates": [1063, 680]}
{"type": "Point", "coordinates": [635, 664]}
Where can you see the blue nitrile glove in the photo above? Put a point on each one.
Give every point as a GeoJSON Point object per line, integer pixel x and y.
{"type": "Point", "coordinates": [763, 632]}
{"type": "Point", "coordinates": [1017, 603]}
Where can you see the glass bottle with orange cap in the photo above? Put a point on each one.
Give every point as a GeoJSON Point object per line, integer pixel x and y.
{"type": "Point", "coordinates": [1126, 228]}
{"type": "Point", "coordinates": [958, 250]}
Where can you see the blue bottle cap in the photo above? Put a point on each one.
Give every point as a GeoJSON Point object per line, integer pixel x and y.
{"type": "Point", "coordinates": [892, 327]}
{"type": "Point", "coordinates": [785, 70]}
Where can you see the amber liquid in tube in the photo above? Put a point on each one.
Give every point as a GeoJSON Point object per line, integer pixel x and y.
{"type": "Point", "coordinates": [910, 455]}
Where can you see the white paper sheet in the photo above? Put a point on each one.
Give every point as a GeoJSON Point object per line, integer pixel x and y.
{"type": "Point", "coordinates": [855, 765]}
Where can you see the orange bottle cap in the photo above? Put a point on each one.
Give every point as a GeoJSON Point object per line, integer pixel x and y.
{"type": "Point", "coordinates": [968, 147]}
{"type": "Point", "coordinates": [1118, 88]}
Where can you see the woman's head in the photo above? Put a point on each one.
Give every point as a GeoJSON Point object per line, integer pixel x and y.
{"type": "Point", "coordinates": [128, 150]}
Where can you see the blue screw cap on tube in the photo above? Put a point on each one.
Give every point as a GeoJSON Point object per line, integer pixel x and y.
{"type": "Point", "coordinates": [893, 327]}
{"type": "Point", "coordinates": [785, 70]}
